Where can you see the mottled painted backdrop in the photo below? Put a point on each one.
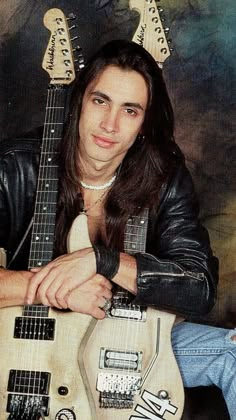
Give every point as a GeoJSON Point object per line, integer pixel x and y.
{"type": "Point", "coordinates": [200, 74]}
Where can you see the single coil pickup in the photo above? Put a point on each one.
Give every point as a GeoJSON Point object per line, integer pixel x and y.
{"type": "Point", "coordinates": [124, 360]}
{"type": "Point", "coordinates": [121, 364]}
{"type": "Point", "coordinates": [131, 312]}
{"type": "Point", "coordinates": [122, 355]}
{"type": "Point", "coordinates": [117, 400]}
{"type": "Point", "coordinates": [29, 382]}
{"type": "Point", "coordinates": [27, 406]}
{"type": "Point", "coordinates": [118, 383]}
{"type": "Point", "coordinates": [31, 328]}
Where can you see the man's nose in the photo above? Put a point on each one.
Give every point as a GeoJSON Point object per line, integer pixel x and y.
{"type": "Point", "coordinates": [110, 121]}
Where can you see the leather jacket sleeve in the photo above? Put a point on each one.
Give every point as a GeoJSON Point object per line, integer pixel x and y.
{"type": "Point", "coordinates": [18, 176]}
{"type": "Point", "coordinates": [178, 273]}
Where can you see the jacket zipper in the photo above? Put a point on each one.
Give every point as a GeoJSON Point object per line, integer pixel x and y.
{"type": "Point", "coordinates": [197, 276]}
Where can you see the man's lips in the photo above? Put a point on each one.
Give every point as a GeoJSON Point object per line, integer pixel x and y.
{"type": "Point", "coordinates": [103, 141]}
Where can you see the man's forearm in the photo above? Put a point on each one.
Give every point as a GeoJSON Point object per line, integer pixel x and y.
{"type": "Point", "coordinates": [127, 273]}
{"type": "Point", "coordinates": [13, 287]}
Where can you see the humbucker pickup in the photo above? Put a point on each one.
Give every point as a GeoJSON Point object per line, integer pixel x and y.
{"type": "Point", "coordinates": [34, 328]}
{"type": "Point", "coordinates": [117, 359]}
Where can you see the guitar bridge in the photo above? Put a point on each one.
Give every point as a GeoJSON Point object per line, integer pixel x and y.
{"type": "Point", "coordinates": [28, 393]}
{"type": "Point", "coordinates": [117, 390]}
{"type": "Point", "coordinates": [122, 307]}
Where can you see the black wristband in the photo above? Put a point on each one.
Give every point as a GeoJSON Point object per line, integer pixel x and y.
{"type": "Point", "coordinates": [107, 261]}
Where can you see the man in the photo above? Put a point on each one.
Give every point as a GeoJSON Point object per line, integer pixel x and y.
{"type": "Point", "coordinates": [117, 158]}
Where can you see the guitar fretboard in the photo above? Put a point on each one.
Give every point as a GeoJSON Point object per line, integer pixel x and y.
{"type": "Point", "coordinates": [136, 233]}
{"type": "Point", "coordinates": [42, 240]}
{"type": "Point", "coordinates": [134, 241]}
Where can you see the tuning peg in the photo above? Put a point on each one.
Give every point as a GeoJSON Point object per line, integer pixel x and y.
{"type": "Point", "coordinates": [71, 16]}
{"type": "Point", "coordinates": [73, 39]}
{"type": "Point", "coordinates": [77, 48]}
{"type": "Point", "coordinates": [166, 30]}
{"type": "Point", "coordinates": [160, 10]}
{"type": "Point", "coordinates": [72, 27]}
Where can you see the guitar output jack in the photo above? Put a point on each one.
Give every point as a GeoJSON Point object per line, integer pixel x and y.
{"type": "Point", "coordinates": [65, 414]}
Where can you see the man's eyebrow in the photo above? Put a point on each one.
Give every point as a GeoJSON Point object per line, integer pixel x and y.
{"type": "Point", "coordinates": [134, 105]}
{"type": "Point", "coordinates": [107, 98]}
{"type": "Point", "coordinates": [101, 94]}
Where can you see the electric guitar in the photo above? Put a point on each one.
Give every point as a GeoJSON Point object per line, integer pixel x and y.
{"type": "Point", "coordinates": [38, 345]}
{"type": "Point", "coordinates": [150, 32]}
{"type": "Point", "coordinates": [127, 366]}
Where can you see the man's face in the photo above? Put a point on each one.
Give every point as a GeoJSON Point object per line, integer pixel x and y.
{"type": "Point", "coordinates": [112, 115]}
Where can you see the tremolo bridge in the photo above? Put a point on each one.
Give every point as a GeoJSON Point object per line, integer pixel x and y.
{"type": "Point", "coordinates": [118, 387]}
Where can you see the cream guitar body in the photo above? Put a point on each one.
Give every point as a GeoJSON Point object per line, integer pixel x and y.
{"type": "Point", "coordinates": [40, 373]}
{"type": "Point", "coordinates": [126, 361]}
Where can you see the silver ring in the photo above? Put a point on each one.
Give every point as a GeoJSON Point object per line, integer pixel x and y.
{"type": "Point", "coordinates": [106, 305]}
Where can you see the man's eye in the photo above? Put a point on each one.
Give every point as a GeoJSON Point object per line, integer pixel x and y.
{"type": "Point", "coordinates": [98, 101]}
{"type": "Point", "coordinates": [131, 111]}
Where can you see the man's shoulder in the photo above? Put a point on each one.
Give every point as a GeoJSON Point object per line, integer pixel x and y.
{"type": "Point", "coordinates": [179, 182]}
{"type": "Point", "coordinates": [25, 143]}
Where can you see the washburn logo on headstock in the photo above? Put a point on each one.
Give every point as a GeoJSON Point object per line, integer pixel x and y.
{"type": "Point", "coordinates": [140, 34]}
{"type": "Point", "coordinates": [158, 407]}
{"type": "Point", "coordinates": [51, 52]}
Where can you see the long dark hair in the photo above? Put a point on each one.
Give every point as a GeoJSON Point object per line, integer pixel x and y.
{"type": "Point", "coordinates": [148, 162]}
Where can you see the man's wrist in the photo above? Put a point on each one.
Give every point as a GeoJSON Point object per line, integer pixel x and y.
{"type": "Point", "coordinates": [107, 261]}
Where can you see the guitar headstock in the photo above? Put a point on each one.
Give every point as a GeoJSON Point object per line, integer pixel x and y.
{"type": "Point", "coordinates": [150, 32]}
{"type": "Point", "coordinates": [58, 59]}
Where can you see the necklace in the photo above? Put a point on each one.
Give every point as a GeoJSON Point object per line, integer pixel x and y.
{"type": "Point", "coordinates": [98, 187]}
{"type": "Point", "coordinates": [85, 210]}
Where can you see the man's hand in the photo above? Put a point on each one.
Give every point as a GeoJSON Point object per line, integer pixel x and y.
{"type": "Point", "coordinates": [53, 282]}
{"type": "Point", "coordinates": [90, 297]}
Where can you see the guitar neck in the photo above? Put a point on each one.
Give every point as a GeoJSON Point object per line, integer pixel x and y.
{"type": "Point", "coordinates": [134, 241]}
{"type": "Point", "coordinates": [136, 233]}
{"type": "Point", "coordinates": [42, 239]}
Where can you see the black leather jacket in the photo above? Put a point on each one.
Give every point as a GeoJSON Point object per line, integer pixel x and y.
{"type": "Point", "coordinates": [178, 273]}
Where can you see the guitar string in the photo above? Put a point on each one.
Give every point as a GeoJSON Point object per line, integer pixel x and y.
{"type": "Point", "coordinates": [138, 245]}
{"type": "Point", "coordinates": [52, 136]}
{"type": "Point", "coordinates": [36, 318]}
{"type": "Point", "coordinates": [134, 241]}
{"type": "Point", "coordinates": [44, 202]}
{"type": "Point", "coordinates": [29, 312]}
{"type": "Point", "coordinates": [39, 234]}
{"type": "Point", "coordinates": [40, 230]}
{"type": "Point", "coordinates": [46, 195]}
